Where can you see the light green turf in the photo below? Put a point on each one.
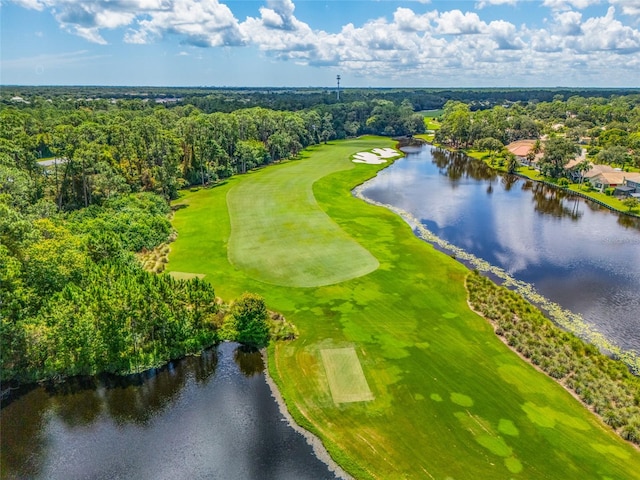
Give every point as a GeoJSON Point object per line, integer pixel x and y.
{"type": "Point", "coordinates": [345, 376]}
{"type": "Point", "coordinates": [280, 235]}
{"type": "Point", "coordinates": [450, 399]}
{"type": "Point", "coordinates": [186, 275]}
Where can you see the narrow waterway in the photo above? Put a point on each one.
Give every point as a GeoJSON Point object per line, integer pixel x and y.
{"type": "Point", "coordinates": [574, 252]}
{"type": "Point", "coordinates": [206, 417]}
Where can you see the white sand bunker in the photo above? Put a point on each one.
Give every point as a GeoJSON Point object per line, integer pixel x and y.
{"type": "Point", "coordinates": [376, 156]}
{"type": "Point", "coordinates": [386, 152]}
{"type": "Point", "coordinates": [344, 373]}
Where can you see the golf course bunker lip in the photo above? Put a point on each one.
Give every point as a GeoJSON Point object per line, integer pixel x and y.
{"type": "Point", "coordinates": [186, 275]}
{"type": "Point", "coordinates": [345, 375]}
{"type": "Point", "coordinates": [375, 156]}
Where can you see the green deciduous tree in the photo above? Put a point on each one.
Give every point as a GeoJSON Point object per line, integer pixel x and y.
{"type": "Point", "coordinates": [250, 314]}
{"type": "Point", "coordinates": [557, 153]}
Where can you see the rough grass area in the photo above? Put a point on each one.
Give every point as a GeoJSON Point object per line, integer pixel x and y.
{"type": "Point", "coordinates": [154, 260]}
{"type": "Point", "coordinates": [186, 275]}
{"type": "Point", "coordinates": [280, 235]}
{"type": "Point", "coordinates": [344, 373]}
{"type": "Point", "coordinates": [450, 399]}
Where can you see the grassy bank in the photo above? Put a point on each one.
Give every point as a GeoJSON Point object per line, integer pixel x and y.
{"type": "Point", "coordinates": [449, 398]}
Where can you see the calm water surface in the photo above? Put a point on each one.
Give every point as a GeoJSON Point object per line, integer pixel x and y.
{"type": "Point", "coordinates": [576, 253]}
{"type": "Point", "coordinates": [209, 417]}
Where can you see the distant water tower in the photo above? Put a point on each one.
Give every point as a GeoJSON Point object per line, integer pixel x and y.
{"type": "Point", "coordinates": [338, 92]}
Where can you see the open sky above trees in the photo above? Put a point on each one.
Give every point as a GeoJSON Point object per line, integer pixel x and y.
{"type": "Point", "coordinates": [307, 43]}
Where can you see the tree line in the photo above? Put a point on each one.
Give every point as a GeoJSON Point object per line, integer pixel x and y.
{"type": "Point", "coordinates": [106, 149]}
{"type": "Point", "coordinates": [227, 99]}
{"type": "Point", "coordinates": [607, 128]}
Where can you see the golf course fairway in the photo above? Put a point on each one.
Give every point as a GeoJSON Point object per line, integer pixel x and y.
{"type": "Point", "coordinates": [391, 368]}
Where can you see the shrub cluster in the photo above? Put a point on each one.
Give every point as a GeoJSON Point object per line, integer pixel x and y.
{"type": "Point", "coordinates": [604, 384]}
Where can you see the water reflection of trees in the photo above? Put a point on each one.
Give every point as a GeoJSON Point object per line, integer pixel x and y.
{"type": "Point", "coordinates": [249, 360]}
{"type": "Point", "coordinates": [508, 181]}
{"type": "Point", "coordinates": [142, 397]}
{"type": "Point", "coordinates": [79, 402]}
{"type": "Point", "coordinates": [456, 165]}
{"type": "Point", "coordinates": [551, 201]}
{"type": "Point", "coordinates": [547, 200]}
{"type": "Point", "coordinates": [21, 424]}
{"type": "Point", "coordinates": [628, 221]}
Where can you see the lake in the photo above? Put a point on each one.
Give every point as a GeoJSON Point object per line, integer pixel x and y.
{"type": "Point", "coordinates": [206, 417]}
{"type": "Point", "coordinates": [576, 253]}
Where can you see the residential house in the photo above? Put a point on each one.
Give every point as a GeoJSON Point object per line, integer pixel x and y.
{"type": "Point", "coordinates": [633, 181]}
{"type": "Point", "coordinates": [521, 149]}
{"type": "Point", "coordinates": [607, 179]}
{"type": "Point", "coordinates": [630, 187]}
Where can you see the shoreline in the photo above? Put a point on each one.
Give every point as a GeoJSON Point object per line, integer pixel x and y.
{"type": "Point", "coordinates": [559, 315]}
{"type": "Point", "coordinates": [568, 190]}
{"type": "Point", "coordinates": [313, 440]}
{"type": "Point", "coordinates": [537, 368]}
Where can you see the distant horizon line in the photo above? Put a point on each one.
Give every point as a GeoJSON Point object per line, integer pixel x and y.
{"type": "Point", "coordinates": [333, 87]}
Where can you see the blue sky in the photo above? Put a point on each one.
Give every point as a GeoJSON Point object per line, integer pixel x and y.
{"type": "Point", "coordinates": [573, 43]}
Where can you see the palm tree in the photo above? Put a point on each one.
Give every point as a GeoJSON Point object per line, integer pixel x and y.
{"type": "Point", "coordinates": [582, 167]}
{"type": "Point", "coordinates": [512, 164]}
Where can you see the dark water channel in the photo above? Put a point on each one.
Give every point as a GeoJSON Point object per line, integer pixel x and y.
{"type": "Point", "coordinates": [206, 417]}
{"type": "Point", "coordinates": [576, 253]}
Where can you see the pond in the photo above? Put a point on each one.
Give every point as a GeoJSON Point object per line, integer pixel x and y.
{"type": "Point", "coordinates": [576, 253]}
{"type": "Point", "coordinates": [212, 416]}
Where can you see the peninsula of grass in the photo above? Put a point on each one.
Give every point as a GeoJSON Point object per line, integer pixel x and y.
{"type": "Point", "coordinates": [447, 398]}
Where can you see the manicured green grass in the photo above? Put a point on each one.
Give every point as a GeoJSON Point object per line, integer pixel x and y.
{"type": "Point", "coordinates": [344, 373]}
{"type": "Point", "coordinates": [290, 240]}
{"type": "Point", "coordinates": [449, 398]}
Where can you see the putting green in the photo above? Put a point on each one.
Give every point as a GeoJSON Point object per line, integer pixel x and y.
{"type": "Point", "coordinates": [450, 400]}
{"type": "Point", "coordinates": [280, 235]}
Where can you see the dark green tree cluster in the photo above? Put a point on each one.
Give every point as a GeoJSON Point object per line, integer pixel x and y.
{"type": "Point", "coordinates": [558, 151]}
{"type": "Point", "coordinates": [118, 318]}
{"type": "Point", "coordinates": [248, 321]}
{"type": "Point", "coordinates": [229, 99]}
{"type": "Point", "coordinates": [462, 127]}
{"type": "Point", "coordinates": [604, 384]}
{"type": "Point", "coordinates": [73, 299]}
{"type": "Point", "coordinates": [608, 127]}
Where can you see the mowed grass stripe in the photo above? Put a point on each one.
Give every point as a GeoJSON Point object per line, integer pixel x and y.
{"type": "Point", "coordinates": [450, 399]}
{"type": "Point", "coordinates": [280, 235]}
{"type": "Point", "coordinates": [344, 373]}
